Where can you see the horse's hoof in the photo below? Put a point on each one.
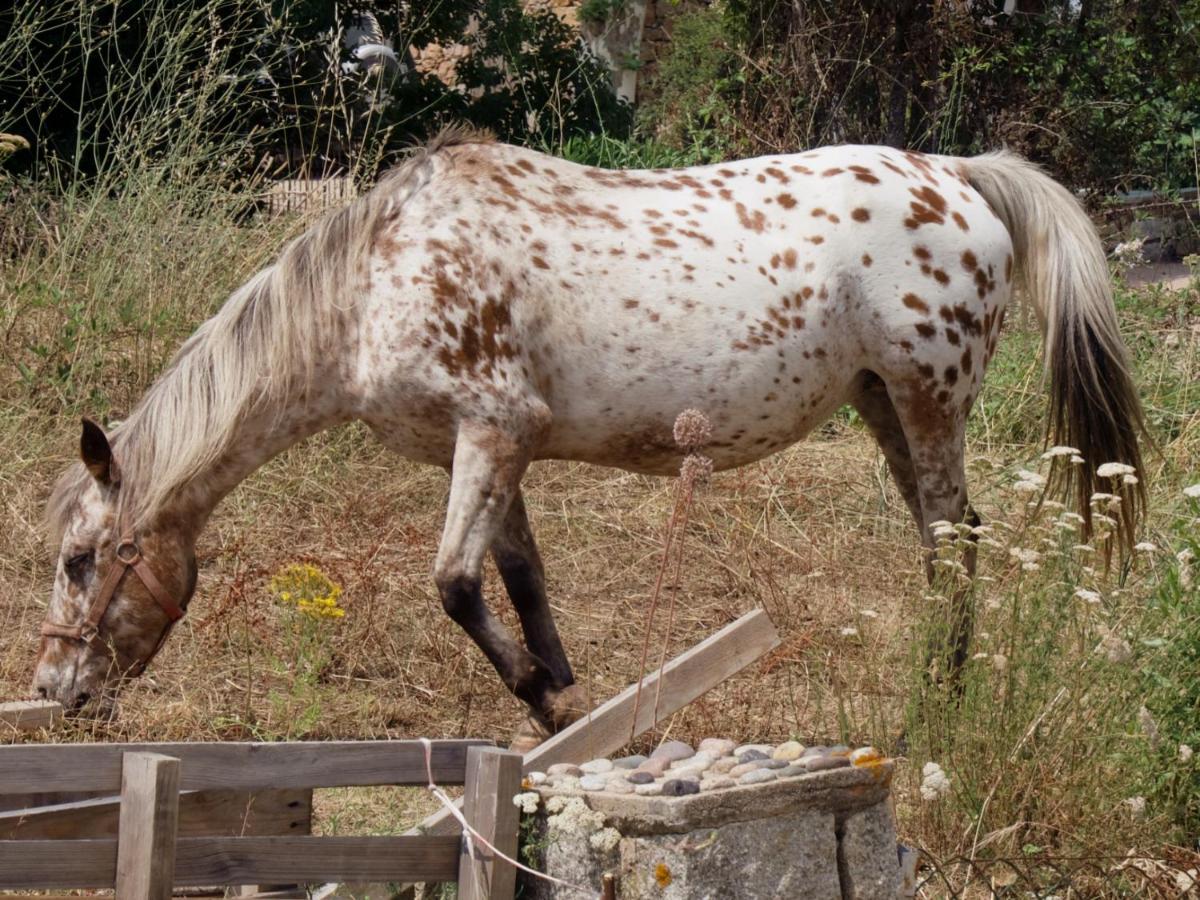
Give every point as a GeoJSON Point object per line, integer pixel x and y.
{"type": "Point", "coordinates": [528, 735]}
{"type": "Point", "coordinates": [569, 705]}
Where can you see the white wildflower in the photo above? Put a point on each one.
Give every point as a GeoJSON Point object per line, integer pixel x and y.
{"type": "Point", "coordinates": [934, 782]}
{"type": "Point", "coordinates": [1104, 520]}
{"type": "Point", "coordinates": [1145, 547]}
{"type": "Point", "coordinates": [1088, 596]}
{"type": "Point", "coordinates": [1084, 548]}
{"type": "Point", "coordinates": [1131, 252]}
{"type": "Point", "coordinates": [1076, 460]}
{"type": "Point", "coordinates": [981, 530]}
{"type": "Point", "coordinates": [1024, 554]}
{"type": "Point", "coordinates": [989, 542]}
{"type": "Point", "coordinates": [1114, 469]}
{"type": "Point", "coordinates": [1060, 451]}
{"type": "Point", "coordinates": [1193, 491]}
{"type": "Point", "coordinates": [1053, 505]}
{"type": "Point", "coordinates": [1137, 806]}
{"type": "Point", "coordinates": [849, 631]}
{"type": "Point", "coordinates": [1185, 753]}
{"type": "Point", "coordinates": [527, 802]}
{"type": "Point", "coordinates": [605, 839]}
{"type": "Point", "coordinates": [1129, 479]}
{"type": "Point", "coordinates": [574, 816]}
{"type": "Point", "coordinates": [1034, 477]}
{"type": "Point", "coordinates": [1026, 487]}
{"type": "Point", "coordinates": [952, 564]}
{"type": "Point", "coordinates": [1072, 517]}
{"type": "Point", "coordinates": [868, 614]}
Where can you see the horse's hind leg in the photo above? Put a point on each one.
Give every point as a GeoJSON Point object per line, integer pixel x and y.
{"type": "Point", "coordinates": [924, 442]}
{"type": "Point", "coordinates": [484, 481]}
{"type": "Point", "coordinates": [520, 566]}
{"type": "Point", "coordinates": [875, 406]}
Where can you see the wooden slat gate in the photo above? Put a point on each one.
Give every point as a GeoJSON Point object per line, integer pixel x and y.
{"type": "Point", "coordinates": [154, 849]}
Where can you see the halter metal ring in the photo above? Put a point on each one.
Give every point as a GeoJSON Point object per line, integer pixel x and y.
{"type": "Point", "coordinates": [128, 552]}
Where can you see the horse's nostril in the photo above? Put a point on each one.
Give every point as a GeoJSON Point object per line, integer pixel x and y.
{"type": "Point", "coordinates": [82, 700]}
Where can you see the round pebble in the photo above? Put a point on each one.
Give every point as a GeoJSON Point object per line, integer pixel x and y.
{"type": "Point", "coordinates": [564, 769]}
{"type": "Point", "coordinates": [689, 772]}
{"type": "Point", "coordinates": [563, 782]}
{"type": "Point", "coordinates": [597, 766]}
{"type": "Point", "coordinates": [700, 761]}
{"type": "Point", "coordinates": [619, 786]}
{"type": "Point", "coordinates": [788, 751]}
{"type": "Point", "coordinates": [793, 770]}
{"type": "Point", "coordinates": [717, 747]}
{"type": "Point", "coordinates": [723, 765]}
{"type": "Point", "coordinates": [761, 748]}
{"type": "Point", "coordinates": [654, 766]}
{"type": "Point", "coordinates": [629, 762]}
{"type": "Point", "coordinates": [775, 764]}
{"type": "Point", "coordinates": [640, 777]}
{"type": "Point", "coordinates": [840, 748]}
{"type": "Point", "coordinates": [742, 768]}
{"type": "Point", "coordinates": [752, 755]}
{"type": "Point", "coordinates": [757, 776]}
{"type": "Point", "coordinates": [673, 750]}
{"type": "Point", "coordinates": [716, 782]}
{"type": "Point", "coordinates": [536, 778]}
{"type": "Point", "coordinates": [814, 751]}
{"type": "Point", "coordinates": [593, 782]}
{"type": "Point", "coordinates": [821, 763]}
{"type": "Point", "coordinates": [653, 789]}
{"type": "Point", "coordinates": [680, 787]}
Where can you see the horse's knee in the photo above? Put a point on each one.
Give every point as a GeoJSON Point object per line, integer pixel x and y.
{"type": "Point", "coordinates": [461, 594]}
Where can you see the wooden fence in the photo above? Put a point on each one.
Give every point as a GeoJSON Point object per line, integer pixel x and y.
{"type": "Point", "coordinates": [147, 842]}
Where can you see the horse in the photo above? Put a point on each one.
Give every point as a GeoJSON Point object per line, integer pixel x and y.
{"type": "Point", "coordinates": [485, 306]}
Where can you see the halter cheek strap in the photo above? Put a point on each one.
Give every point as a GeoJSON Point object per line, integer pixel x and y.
{"type": "Point", "coordinates": [128, 556]}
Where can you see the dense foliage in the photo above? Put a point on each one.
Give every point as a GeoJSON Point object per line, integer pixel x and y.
{"type": "Point", "coordinates": [285, 85]}
{"type": "Point", "coordinates": [1104, 92]}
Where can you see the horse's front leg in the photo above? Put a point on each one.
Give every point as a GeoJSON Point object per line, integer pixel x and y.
{"type": "Point", "coordinates": [485, 478]}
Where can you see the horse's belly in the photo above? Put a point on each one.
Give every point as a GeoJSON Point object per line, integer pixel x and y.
{"type": "Point", "coordinates": [754, 410]}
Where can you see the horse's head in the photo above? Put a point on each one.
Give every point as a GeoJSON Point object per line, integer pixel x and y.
{"type": "Point", "coordinates": [118, 588]}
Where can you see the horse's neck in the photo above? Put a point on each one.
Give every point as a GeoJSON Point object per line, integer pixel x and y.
{"type": "Point", "coordinates": [262, 434]}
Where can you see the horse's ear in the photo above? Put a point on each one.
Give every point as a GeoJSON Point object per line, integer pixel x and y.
{"type": "Point", "coordinates": [96, 453]}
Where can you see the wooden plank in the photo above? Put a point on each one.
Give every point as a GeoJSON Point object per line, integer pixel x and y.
{"type": "Point", "coordinates": [233, 860]}
{"type": "Point", "coordinates": [493, 779]}
{"type": "Point", "coordinates": [200, 813]}
{"type": "Point", "coordinates": [27, 768]}
{"type": "Point", "coordinates": [202, 861]}
{"type": "Point", "coordinates": [149, 827]}
{"type": "Point", "coordinates": [686, 677]}
{"type": "Point", "coordinates": [29, 715]}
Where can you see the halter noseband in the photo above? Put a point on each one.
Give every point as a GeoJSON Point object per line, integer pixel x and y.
{"type": "Point", "coordinates": [128, 556]}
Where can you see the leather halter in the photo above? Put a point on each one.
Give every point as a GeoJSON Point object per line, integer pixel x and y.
{"type": "Point", "coordinates": [128, 556]}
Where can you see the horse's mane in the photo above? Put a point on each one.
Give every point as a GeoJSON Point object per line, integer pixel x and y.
{"type": "Point", "coordinates": [263, 341]}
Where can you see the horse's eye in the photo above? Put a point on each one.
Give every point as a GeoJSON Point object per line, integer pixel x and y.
{"type": "Point", "coordinates": [77, 566]}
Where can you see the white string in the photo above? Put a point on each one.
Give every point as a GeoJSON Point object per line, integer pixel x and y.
{"type": "Point", "coordinates": [472, 835]}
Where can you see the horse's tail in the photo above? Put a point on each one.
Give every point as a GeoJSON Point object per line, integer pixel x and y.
{"type": "Point", "coordinates": [1094, 405]}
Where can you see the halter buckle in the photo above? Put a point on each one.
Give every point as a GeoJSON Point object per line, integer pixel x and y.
{"type": "Point", "coordinates": [128, 552]}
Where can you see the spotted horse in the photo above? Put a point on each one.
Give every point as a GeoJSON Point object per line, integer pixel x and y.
{"type": "Point", "coordinates": [485, 306]}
